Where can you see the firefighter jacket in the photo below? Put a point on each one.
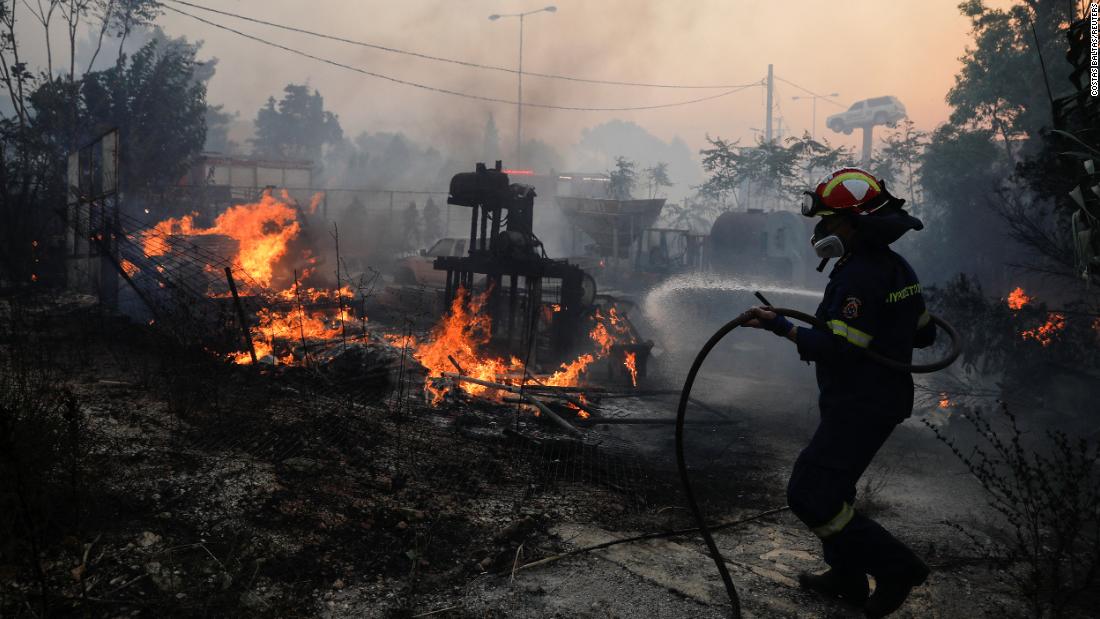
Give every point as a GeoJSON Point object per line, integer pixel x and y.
{"type": "Point", "coordinates": [873, 301]}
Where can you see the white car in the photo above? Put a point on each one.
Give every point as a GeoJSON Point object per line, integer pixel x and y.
{"type": "Point", "coordinates": [875, 111]}
{"type": "Point", "coordinates": [420, 270]}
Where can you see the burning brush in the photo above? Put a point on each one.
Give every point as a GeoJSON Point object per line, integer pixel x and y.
{"type": "Point", "coordinates": [460, 342]}
{"type": "Point", "coordinates": [262, 240]}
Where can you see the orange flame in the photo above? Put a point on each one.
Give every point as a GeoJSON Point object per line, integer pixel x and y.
{"type": "Point", "coordinates": [465, 331]}
{"type": "Point", "coordinates": [602, 338]}
{"type": "Point", "coordinates": [1017, 299]}
{"type": "Point", "coordinates": [631, 365]}
{"type": "Point", "coordinates": [570, 373]}
{"type": "Point", "coordinates": [316, 201]}
{"type": "Point", "coordinates": [263, 230]}
{"type": "Point", "coordinates": [1044, 333]}
{"type": "Point", "coordinates": [945, 402]}
{"type": "Point", "coordinates": [297, 324]}
{"type": "Point", "coordinates": [610, 330]}
{"type": "Point", "coordinates": [461, 334]}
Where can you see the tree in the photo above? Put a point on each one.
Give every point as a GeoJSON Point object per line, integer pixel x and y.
{"type": "Point", "coordinates": [753, 176]}
{"type": "Point", "coordinates": [217, 130]}
{"type": "Point", "coordinates": [1000, 85]}
{"type": "Point", "coordinates": [295, 127]}
{"type": "Point", "coordinates": [656, 176]}
{"type": "Point", "coordinates": [44, 15]}
{"type": "Point", "coordinates": [127, 15]}
{"type": "Point", "coordinates": [960, 173]}
{"type": "Point", "coordinates": [154, 99]}
{"type": "Point", "coordinates": [1000, 94]}
{"type": "Point", "coordinates": [538, 155]}
{"type": "Point", "coordinates": [817, 157]}
{"type": "Point", "coordinates": [903, 149]}
{"type": "Point", "coordinates": [1062, 223]}
{"type": "Point", "coordinates": [160, 109]}
{"type": "Point", "coordinates": [721, 162]}
{"type": "Point", "coordinates": [623, 179]}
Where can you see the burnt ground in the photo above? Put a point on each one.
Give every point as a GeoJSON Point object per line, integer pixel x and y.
{"type": "Point", "coordinates": [191, 487]}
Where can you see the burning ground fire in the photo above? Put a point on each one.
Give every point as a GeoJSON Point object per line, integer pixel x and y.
{"type": "Point", "coordinates": [460, 339]}
{"type": "Point", "coordinates": [262, 230]}
{"type": "Point", "coordinates": [297, 323]}
{"type": "Point", "coordinates": [259, 235]}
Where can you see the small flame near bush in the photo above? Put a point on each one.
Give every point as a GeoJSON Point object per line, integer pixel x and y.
{"type": "Point", "coordinates": [1017, 299]}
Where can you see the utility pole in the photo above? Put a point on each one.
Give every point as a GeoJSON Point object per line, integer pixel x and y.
{"type": "Point", "coordinates": [519, 76]}
{"type": "Point", "coordinates": [768, 118]}
{"type": "Point", "coordinates": [814, 98]}
{"type": "Point", "coordinates": [519, 99]}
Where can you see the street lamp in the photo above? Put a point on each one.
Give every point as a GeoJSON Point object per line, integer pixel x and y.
{"type": "Point", "coordinates": [519, 76]}
{"type": "Point", "coordinates": [813, 127]}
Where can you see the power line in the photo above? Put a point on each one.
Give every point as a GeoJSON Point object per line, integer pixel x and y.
{"type": "Point", "coordinates": [463, 63]}
{"type": "Point", "coordinates": [455, 92]}
{"type": "Point", "coordinates": [807, 90]}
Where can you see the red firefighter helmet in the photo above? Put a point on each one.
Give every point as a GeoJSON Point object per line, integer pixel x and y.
{"type": "Point", "coordinates": [847, 190]}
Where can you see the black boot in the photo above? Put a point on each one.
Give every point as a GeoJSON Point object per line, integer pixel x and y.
{"type": "Point", "coordinates": [848, 586]}
{"type": "Point", "coordinates": [891, 592]}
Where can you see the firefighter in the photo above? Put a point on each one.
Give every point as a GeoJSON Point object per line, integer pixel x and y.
{"type": "Point", "coordinates": [872, 302]}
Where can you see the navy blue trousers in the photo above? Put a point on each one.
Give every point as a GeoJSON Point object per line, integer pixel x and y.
{"type": "Point", "coordinates": [823, 486]}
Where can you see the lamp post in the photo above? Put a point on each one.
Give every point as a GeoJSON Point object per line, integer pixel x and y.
{"type": "Point", "coordinates": [519, 76]}
{"type": "Point", "coordinates": [813, 127]}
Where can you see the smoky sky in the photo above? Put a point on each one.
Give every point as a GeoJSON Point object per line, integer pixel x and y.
{"type": "Point", "coordinates": [860, 49]}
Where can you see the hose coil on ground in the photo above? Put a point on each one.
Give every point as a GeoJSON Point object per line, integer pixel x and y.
{"type": "Point", "coordinates": [685, 395]}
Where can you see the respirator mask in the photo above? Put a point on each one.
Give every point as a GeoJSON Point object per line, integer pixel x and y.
{"type": "Point", "coordinates": [825, 241]}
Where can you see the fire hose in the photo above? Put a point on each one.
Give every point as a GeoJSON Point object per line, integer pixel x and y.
{"type": "Point", "coordinates": [685, 395]}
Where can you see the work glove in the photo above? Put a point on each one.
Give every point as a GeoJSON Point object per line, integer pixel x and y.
{"type": "Point", "coordinates": [778, 325]}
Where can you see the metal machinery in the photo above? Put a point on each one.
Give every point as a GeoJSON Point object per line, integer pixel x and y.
{"type": "Point", "coordinates": [526, 290]}
{"type": "Point", "coordinates": [614, 225]}
{"type": "Point", "coordinates": [667, 251]}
